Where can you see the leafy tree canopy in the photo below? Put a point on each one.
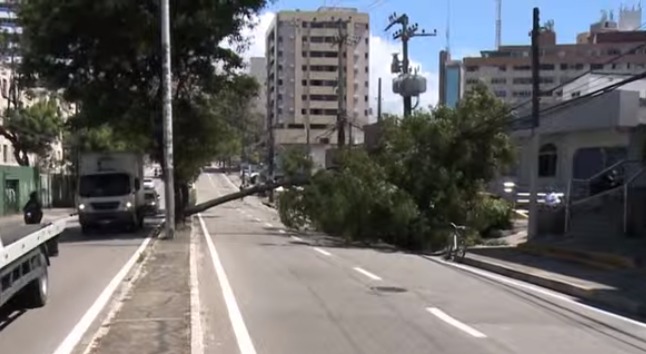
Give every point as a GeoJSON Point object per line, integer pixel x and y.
{"type": "Point", "coordinates": [106, 54]}
{"type": "Point", "coordinates": [430, 169]}
{"type": "Point", "coordinates": [32, 129]}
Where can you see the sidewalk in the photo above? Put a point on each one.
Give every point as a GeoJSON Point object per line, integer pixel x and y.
{"type": "Point", "coordinates": [620, 289]}
{"type": "Point", "coordinates": [154, 317]}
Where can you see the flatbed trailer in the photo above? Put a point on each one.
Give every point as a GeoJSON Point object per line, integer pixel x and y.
{"type": "Point", "coordinates": [25, 251]}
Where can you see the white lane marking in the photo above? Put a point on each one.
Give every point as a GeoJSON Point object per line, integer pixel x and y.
{"type": "Point", "coordinates": [455, 323]}
{"type": "Point", "coordinates": [283, 231]}
{"type": "Point", "coordinates": [226, 178]}
{"type": "Point", "coordinates": [257, 220]}
{"type": "Point", "coordinates": [539, 290]}
{"type": "Point", "coordinates": [197, 334]}
{"type": "Point", "coordinates": [245, 344]}
{"type": "Point", "coordinates": [321, 251]}
{"type": "Point", "coordinates": [297, 239]}
{"type": "Point", "coordinates": [367, 273]}
{"type": "Point", "coordinates": [74, 337]}
{"type": "Point", "coordinates": [269, 224]}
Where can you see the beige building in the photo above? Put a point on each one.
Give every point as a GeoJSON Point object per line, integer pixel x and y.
{"type": "Point", "coordinates": [302, 75]}
{"type": "Point", "coordinates": [507, 71]}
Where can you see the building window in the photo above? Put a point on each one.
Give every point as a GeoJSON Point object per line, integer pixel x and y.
{"type": "Point", "coordinates": [501, 93]}
{"type": "Point", "coordinates": [472, 68]}
{"type": "Point", "coordinates": [547, 160]}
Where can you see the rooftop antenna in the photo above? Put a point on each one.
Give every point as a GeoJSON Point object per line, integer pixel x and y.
{"type": "Point", "coordinates": [498, 23]}
{"type": "Point", "coordinates": [448, 26]}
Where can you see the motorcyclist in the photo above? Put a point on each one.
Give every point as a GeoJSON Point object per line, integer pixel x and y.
{"type": "Point", "coordinates": [34, 207]}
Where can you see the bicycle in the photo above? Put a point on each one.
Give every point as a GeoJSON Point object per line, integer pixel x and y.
{"type": "Point", "coordinates": [457, 247]}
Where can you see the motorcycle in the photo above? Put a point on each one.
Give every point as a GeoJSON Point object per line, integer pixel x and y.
{"type": "Point", "coordinates": [33, 217]}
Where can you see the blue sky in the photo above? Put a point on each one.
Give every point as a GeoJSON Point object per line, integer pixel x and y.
{"type": "Point", "coordinates": [472, 26]}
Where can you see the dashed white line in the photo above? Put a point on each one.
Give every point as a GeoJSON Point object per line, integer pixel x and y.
{"type": "Point", "coordinates": [297, 239]}
{"type": "Point", "coordinates": [282, 231]}
{"type": "Point", "coordinates": [257, 220]}
{"type": "Point", "coordinates": [245, 344]}
{"type": "Point", "coordinates": [367, 273]}
{"type": "Point", "coordinates": [321, 251]}
{"type": "Point", "coordinates": [269, 224]}
{"type": "Point", "coordinates": [455, 323]}
{"type": "Point", "coordinates": [73, 338]}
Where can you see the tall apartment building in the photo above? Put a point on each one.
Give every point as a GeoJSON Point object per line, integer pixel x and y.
{"type": "Point", "coordinates": [507, 71]}
{"type": "Point", "coordinates": [258, 70]}
{"type": "Point", "coordinates": [8, 18]}
{"type": "Point", "coordinates": [450, 81]}
{"type": "Point", "coordinates": [302, 76]}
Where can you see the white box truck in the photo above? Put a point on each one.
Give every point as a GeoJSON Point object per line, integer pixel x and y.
{"type": "Point", "coordinates": [110, 190]}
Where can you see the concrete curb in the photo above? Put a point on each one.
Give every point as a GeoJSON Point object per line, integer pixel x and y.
{"type": "Point", "coordinates": [599, 296]}
{"type": "Point", "coordinates": [593, 259]}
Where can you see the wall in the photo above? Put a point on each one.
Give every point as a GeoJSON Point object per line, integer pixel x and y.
{"type": "Point", "coordinates": [567, 144]}
{"type": "Point", "coordinates": [27, 178]}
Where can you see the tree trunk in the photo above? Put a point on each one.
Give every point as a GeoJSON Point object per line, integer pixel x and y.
{"type": "Point", "coordinates": [243, 193]}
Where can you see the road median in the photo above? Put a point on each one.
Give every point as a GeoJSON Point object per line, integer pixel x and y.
{"type": "Point", "coordinates": [154, 316]}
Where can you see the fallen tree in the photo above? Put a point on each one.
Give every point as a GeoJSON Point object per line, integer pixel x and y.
{"type": "Point", "coordinates": [244, 193]}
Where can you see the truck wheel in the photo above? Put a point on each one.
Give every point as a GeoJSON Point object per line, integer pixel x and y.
{"type": "Point", "coordinates": [35, 293]}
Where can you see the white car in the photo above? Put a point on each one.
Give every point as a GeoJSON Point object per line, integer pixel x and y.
{"type": "Point", "coordinates": [149, 183]}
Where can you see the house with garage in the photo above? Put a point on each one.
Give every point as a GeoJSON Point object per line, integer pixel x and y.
{"type": "Point", "coordinates": [582, 144]}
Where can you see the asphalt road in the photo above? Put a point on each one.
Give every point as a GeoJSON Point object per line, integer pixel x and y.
{"type": "Point", "coordinates": [269, 292]}
{"type": "Point", "coordinates": [77, 277]}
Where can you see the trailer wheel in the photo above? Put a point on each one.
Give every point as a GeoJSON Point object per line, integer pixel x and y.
{"type": "Point", "coordinates": [35, 293]}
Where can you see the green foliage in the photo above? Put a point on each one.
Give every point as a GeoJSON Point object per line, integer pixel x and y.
{"type": "Point", "coordinates": [354, 202]}
{"type": "Point", "coordinates": [429, 170]}
{"type": "Point", "coordinates": [32, 129]}
{"type": "Point", "coordinates": [111, 65]}
{"type": "Point", "coordinates": [493, 214]}
{"type": "Point", "coordinates": [295, 162]}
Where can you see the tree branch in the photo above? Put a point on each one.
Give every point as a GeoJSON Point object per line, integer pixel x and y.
{"type": "Point", "coordinates": [244, 193]}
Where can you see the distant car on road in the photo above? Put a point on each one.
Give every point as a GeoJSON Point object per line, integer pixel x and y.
{"type": "Point", "coordinates": [151, 205]}
{"type": "Point", "coordinates": [149, 183]}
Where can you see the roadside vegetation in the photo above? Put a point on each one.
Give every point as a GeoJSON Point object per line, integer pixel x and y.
{"type": "Point", "coordinates": [430, 169]}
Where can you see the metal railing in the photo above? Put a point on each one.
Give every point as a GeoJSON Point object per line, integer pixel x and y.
{"type": "Point", "coordinates": [573, 199]}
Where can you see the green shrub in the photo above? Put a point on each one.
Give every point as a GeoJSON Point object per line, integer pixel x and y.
{"type": "Point", "coordinates": [493, 214]}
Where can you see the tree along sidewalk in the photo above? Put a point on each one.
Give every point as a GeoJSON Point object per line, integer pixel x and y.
{"type": "Point", "coordinates": [156, 306]}
{"type": "Point", "coordinates": [619, 289]}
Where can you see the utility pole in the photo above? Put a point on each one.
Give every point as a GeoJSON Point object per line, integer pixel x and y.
{"type": "Point", "coordinates": [532, 226]}
{"type": "Point", "coordinates": [169, 186]}
{"type": "Point", "coordinates": [341, 42]}
{"type": "Point", "coordinates": [405, 34]}
{"type": "Point", "coordinates": [379, 100]}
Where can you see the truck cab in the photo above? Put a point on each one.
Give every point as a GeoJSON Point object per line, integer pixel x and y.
{"type": "Point", "coordinates": [110, 191]}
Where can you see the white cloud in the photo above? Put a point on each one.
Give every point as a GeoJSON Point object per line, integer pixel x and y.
{"type": "Point", "coordinates": [381, 51]}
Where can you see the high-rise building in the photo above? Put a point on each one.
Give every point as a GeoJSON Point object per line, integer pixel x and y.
{"type": "Point", "coordinates": [450, 80]}
{"type": "Point", "coordinates": [8, 18]}
{"type": "Point", "coordinates": [302, 76]}
{"type": "Point", "coordinates": [507, 71]}
{"type": "Point", "coordinates": [258, 70]}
